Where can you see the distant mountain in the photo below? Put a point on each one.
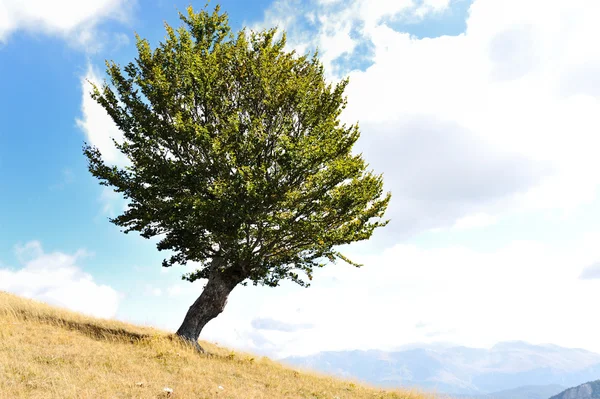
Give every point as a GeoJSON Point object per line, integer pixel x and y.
{"type": "Point", "coordinates": [589, 390]}
{"type": "Point", "coordinates": [525, 392]}
{"type": "Point", "coordinates": [462, 370]}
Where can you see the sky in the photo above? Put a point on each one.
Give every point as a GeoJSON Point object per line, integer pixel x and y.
{"type": "Point", "coordinates": [483, 116]}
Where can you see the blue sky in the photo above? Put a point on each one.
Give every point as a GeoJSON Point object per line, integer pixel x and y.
{"type": "Point", "coordinates": [482, 115]}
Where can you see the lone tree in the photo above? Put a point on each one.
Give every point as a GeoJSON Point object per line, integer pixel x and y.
{"type": "Point", "coordinates": [237, 159]}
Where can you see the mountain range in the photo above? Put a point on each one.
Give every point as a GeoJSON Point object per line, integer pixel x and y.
{"type": "Point", "coordinates": [589, 390]}
{"type": "Point", "coordinates": [517, 369]}
{"type": "Point", "coordinates": [524, 392]}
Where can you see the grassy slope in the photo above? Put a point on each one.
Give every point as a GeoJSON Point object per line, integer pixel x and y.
{"type": "Point", "coordinates": [46, 352]}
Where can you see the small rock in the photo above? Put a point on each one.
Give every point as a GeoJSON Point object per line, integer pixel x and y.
{"type": "Point", "coordinates": [168, 391]}
{"type": "Point", "coordinates": [139, 384]}
{"type": "Point", "coordinates": [221, 388]}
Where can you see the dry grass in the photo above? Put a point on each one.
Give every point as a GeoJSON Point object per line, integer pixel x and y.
{"type": "Point", "coordinates": [46, 352]}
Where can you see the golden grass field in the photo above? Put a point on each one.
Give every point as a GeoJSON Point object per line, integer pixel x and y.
{"type": "Point", "coordinates": [47, 352]}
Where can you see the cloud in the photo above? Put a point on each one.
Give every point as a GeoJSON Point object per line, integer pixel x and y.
{"type": "Point", "coordinates": [100, 131]}
{"type": "Point", "coordinates": [475, 221]}
{"type": "Point", "coordinates": [432, 6]}
{"type": "Point", "coordinates": [278, 325]}
{"type": "Point", "coordinates": [174, 290]}
{"type": "Point", "coordinates": [153, 291]}
{"type": "Point", "coordinates": [56, 278]}
{"type": "Point", "coordinates": [113, 204]}
{"type": "Point", "coordinates": [525, 290]}
{"type": "Point", "coordinates": [98, 126]}
{"type": "Point", "coordinates": [74, 20]}
{"type": "Point", "coordinates": [335, 26]}
{"type": "Point", "coordinates": [591, 272]}
{"type": "Point", "coordinates": [440, 172]}
{"type": "Point", "coordinates": [502, 118]}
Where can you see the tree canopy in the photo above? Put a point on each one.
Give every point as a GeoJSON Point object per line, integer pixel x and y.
{"type": "Point", "coordinates": [236, 151]}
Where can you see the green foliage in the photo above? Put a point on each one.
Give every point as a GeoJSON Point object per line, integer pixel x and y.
{"type": "Point", "coordinates": [236, 151]}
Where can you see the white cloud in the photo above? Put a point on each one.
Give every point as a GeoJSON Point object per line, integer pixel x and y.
{"type": "Point", "coordinates": [113, 203]}
{"type": "Point", "coordinates": [153, 291]}
{"type": "Point", "coordinates": [501, 118]}
{"type": "Point", "coordinates": [475, 221]}
{"type": "Point", "coordinates": [337, 22]}
{"type": "Point", "coordinates": [268, 324]}
{"type": "Point", "coordinates": [98, 126]}
{"type": "Point", "coordinates": [432, 6]}
{"type": "Point", "coordinates": [100, 130]}
{"type": "Point", "coordinates": [175, 290]}
{"type": "Point", "coordinates": [591, 272]}
{"type": "Point", "coordinates": [56, 278]}
{"type": "Point", "coordinates": [408, 294]}
{"type": "Point", "coordinates": [74, 20]}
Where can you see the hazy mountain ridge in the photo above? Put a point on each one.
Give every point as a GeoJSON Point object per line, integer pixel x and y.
{"type": "Point", "coordinates": [462, 370]}
{"type": "Point", "coordinates": [589, 390]}
{"type": "Point", "coordinates": [524, 392]}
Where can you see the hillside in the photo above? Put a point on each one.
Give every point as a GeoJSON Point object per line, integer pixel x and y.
{"type": "Point", "coordinates": [46, 352]}
{"type": "Point", "coordinates": [589, 390]}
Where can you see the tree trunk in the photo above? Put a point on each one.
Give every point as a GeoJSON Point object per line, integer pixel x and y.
{"type": "Point", "coordinates": [209, 304]}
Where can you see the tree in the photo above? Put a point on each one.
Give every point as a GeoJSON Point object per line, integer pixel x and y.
{"type": "Point", "coordinates": [237, 159]}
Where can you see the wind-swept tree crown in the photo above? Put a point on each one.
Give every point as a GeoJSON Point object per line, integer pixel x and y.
{"type": "Point", "coordinates": [236, 152]}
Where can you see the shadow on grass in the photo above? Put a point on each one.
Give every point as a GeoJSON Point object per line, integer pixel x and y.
{"type": "Point", "coordinates": [93, 330]}
{"type": "Point", "coordinates": [102, 330]}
